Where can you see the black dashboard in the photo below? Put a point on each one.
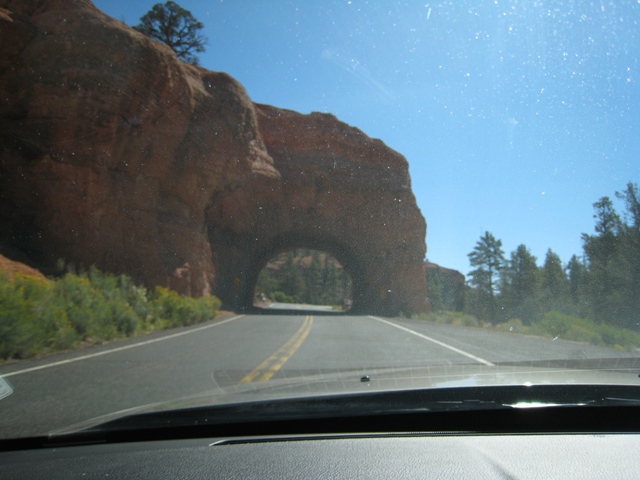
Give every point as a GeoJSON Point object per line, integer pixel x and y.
{"type": "Point", "coordinates": [413, 436]}
{"type": "Point", "coordinates": [429, 456]}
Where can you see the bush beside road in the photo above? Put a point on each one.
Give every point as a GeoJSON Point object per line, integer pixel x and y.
{"type": "Point", "coordinates": [39, 315]}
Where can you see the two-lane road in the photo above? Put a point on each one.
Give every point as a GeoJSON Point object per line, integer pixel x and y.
{"type": "Point", "coordinates": [67, 388]}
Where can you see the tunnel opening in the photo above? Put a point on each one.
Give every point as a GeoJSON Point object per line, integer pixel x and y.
{"type": "Point", "coordinates": [304, 278]}
{"type": "Point", "coordinates": [243, 264]}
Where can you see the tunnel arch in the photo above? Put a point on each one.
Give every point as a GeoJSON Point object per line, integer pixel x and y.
{"type": "Point", "coordinates": [287, 242]}
{"type": "Point", "coordinates": [334, 190]}
{"type": "Point", "coordinates": [387, 274]}
{"type": "Point", "coordinates": [201, 210]}
{"type": "Point", "coordinates": [304, 276]}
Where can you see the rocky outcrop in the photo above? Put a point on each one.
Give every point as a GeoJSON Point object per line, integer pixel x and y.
{"type": "Point", "coordinates": [115, 153]}
{"type": "Point", "coordinates": [339, 191]}
{"type": "Point", "coordinates": [112, 148]}
{"type": "Point", "coordinates": [10, 268]}
{"type": "Point", "coordinates": [445, 287]}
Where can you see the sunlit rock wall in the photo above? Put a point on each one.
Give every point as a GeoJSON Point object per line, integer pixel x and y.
{"type": "Point", "coordinates": [115, 153]}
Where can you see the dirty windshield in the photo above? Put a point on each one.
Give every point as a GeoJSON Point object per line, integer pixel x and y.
{"type": "Point", "coordinates": [215, 202]}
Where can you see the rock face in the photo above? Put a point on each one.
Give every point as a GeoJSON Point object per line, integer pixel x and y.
{"type": "Point", "coordinates": [339, 191]}
{"type": "Point", "coordinates": [10, 268]}
{"type": "Point", "coordinates": [450, 286]}
{"type": "Point", "coordinates": [112, 149]}
{"type": "Point", "coordinates": [115, 153]}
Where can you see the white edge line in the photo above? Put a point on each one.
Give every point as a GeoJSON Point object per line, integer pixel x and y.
{"type": "Point", "coordinates": [437, 342]}
{"type": "Point", "coordinates": [113, 350]}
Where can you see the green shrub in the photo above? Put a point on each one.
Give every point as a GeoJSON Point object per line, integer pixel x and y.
{"type": "Point", "coordinates": [568, 327]}
{"type": "Point", "coordinates": [585, 334]}
{"type": "Point", "coordinates": [468, 320]}
{"type": "Point", "coordinates": [555, 324]}
{"type": "Point", "coordinates": [175, 310]}
{"type": "Point", "coordinates": [39, 315]}
{"type": "Point", "coordinates": [21, 331]}
{"type": "Point", "coordinates": [61, 334]}
{"type": "Point", "coordinates": [619, 337]}
{"type": "Point", "coordinates": [282, 297]}
{"type": "Point", "coordinates": [23, 327]}
{"type": "Point", "coordinates": [450, 318]}
{"type": "Point", "coordinates": [513, 325]}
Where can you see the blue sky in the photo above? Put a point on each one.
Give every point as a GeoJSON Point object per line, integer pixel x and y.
{"type": "Point", "coordinates": [515, 116]}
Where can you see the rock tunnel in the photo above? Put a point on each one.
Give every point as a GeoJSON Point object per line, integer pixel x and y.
{"type": "Point", "coordinates": [247, 267]}
{"type": "Point", "coordinates": [339, 191]}
{"type": "Point", "coordinates": [168, 172]}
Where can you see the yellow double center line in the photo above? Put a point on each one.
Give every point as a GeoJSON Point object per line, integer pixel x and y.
{"type": "Point", "coordinates": [271, 365]}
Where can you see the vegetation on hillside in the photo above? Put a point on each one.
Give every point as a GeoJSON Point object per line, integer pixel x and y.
{"type": "Point", "coordinates": [553, 325]}
{"type": "Point", "coordinates": [304, 276]}
{"type": "Point", "coordinates": [593, 298]}
{"type": "Point", "coordinates": [41, 315]}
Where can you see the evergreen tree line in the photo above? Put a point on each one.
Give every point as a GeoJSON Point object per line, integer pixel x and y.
{"type": "Point", "coordinates": [445, 289]}
{"type": "Point", "coordinates": [314, 282]}
{"type": "Point", "coordinates": [603, 285]}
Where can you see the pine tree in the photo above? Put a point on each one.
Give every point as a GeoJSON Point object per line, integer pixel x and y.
{"type": "Point", "coordinates": [313, 280]}
{"type": "Point", "coordinates": [555, 284]}
{"type": "Point", "coordinates": [330, 284]}
{"type": "Point", "coordinates": [176, 27]}
{"type": "Point", "coordinates": [602, 250]}
{"type": "Point", "coordinates": [520, 286]}
{"type": "Point", "coordinates": [266, 283]}
{"type": "Point", "coordinates": [488, 258]}
{"type": "Point", "coordinates": [435, 289]}
{"type": "Point", "coordinates": [577, 286]}
{"type": "Point", "coordinates": [292, 281]}
{"type": "Point", "coordinates": [629, 258]}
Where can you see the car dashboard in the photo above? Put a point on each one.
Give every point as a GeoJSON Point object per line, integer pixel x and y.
{"type": "Point", "coordinates": [411, 438]}
{"type": "Point", "coordinates": [381, 456]}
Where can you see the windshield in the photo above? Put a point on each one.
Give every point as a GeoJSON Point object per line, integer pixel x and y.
{"type": "Point", "coordinates": [205, 203]}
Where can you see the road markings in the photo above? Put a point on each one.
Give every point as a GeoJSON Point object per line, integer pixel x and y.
{"type": "Point", "coordinates": [271, 365]}
{"type": "Point", "coordinates": [119, 349]}
{"type": "Point", "coordinates": [437, 342]}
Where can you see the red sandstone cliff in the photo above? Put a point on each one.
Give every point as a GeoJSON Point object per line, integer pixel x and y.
{"type": "Point", "coordinates": [450, 286]}
{"type": "Point", "coordinates": [10, 268]}
{"type": "Point", "coordinates": [115, 153]}
{"type": "Point", "coordinates": [112, 148]}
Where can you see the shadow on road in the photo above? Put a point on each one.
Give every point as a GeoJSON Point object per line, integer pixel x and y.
{"type": "Point", "coordinates": [256, 310]}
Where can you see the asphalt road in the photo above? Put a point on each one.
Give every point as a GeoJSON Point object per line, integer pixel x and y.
{"type": "Point", "coordinates": [295, 306]}
{"type": "Point", "coordinates": [64, 389]}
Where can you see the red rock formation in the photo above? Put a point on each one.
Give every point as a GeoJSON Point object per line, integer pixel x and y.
{"type": "Point", "coordinates": [10, 268]}
{"type": "Point", "coordinates": [115, 153]}
{"type": "Point", "coordinates": [112, 148]}
{"type": "Point", "coordinates": [451, 285]}
{"type": "Point", "coordinates": [339, 191]}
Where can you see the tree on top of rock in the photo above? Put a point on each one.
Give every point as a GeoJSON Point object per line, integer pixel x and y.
{"type": "Point", "coordinates": [173, 25]}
